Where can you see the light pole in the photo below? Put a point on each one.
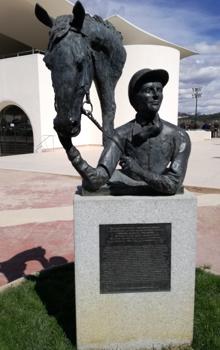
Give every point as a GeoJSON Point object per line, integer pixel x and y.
{"type": "Point", "coordinates": [196, 93]}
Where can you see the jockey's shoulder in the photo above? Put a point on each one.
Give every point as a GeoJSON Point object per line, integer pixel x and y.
{"type": "Point", "coordinates": [125, 128]}
{"type": "Point", "coordinates": [174, 130]}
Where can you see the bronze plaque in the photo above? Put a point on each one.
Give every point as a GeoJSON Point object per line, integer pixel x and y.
{"type": "Point", "coordinates": [135, 258]}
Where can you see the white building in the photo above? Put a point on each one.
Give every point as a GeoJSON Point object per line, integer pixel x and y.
{"type": "Point", "coordinates": [26, 94]}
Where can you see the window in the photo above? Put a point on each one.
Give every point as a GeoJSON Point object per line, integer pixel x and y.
{"type": "Point", "coordinates": [16, 135]}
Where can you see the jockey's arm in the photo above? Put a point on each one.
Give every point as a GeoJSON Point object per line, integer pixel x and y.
{"type": "Point", "coordinates": [93, 178]}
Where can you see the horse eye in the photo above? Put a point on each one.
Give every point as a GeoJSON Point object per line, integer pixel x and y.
{"type": "Point", "coordinates": [79, 66]}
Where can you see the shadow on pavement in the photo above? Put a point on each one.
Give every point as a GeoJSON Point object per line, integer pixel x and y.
{"type": "Point", "coordinates": [14, 267]}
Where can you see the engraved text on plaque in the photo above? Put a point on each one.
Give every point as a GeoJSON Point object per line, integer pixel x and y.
{"type": "Point", "coordinates": [135, 257]}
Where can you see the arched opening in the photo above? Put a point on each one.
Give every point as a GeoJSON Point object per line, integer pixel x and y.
{"type": "Point", "coordinates": [16, 135]}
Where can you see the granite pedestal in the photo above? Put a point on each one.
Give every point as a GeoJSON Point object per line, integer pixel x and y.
{"type": "Point", "coordinates": [118, 306]}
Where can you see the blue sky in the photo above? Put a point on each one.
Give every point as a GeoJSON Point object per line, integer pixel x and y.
{"type": "Point", "coordinates": [191, 23]}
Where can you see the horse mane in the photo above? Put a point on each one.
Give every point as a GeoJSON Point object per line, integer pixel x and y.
{"type": "Point", "coordinates": [60, 28]}
{"type": "Point", "coordinates": [108, 25]}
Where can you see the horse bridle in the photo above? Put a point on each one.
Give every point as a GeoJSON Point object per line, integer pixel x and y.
{"type": "Point", "coordinates": [89, 114]}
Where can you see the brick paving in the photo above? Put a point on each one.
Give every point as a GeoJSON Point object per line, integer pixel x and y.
{"type": "Point", "coordinates": [23, 189]}
{"type": "Point", "coordinates": [33, 246]}
{"type": "Point", "coordinates": [208, 237]}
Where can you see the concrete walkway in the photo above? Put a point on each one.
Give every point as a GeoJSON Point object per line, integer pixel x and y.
{"type": "Point", "coordinates": [25, 216]}
{"type": "Point", "coordinates": [36, 208]}
{"type": "Point", "coordinates": [203, 168]}
{"type": "Point", "coordinates": [53, 162]}
{"type": "Point", "coordinates": [204, 164]}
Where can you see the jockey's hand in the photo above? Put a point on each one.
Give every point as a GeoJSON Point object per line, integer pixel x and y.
{"type": "Point", "coordinates": [130, 164]}
{"type": "Point", "coordinates": [64, 136]}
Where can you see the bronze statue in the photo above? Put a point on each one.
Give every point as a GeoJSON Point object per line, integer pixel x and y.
{"type": "Point", "coordinates": [152, 152]}
{"type": "Point", "coordinates": [82, 49]}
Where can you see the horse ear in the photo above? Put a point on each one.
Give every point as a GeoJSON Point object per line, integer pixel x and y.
{"type": "Point", "coordinates": [78, 16]}
{"type": "Point", "coordinates": [43, 16]}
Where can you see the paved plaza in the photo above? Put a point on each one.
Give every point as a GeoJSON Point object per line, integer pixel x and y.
{"type": "Point", "coordinates": [36, 208]}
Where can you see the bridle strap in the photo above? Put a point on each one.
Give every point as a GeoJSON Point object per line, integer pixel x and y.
{"type": "Point", "coordinates": [72, 29]}
{"type": "Point", "coordinates": [89, 114]}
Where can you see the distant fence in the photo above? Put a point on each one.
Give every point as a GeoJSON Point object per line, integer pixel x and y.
{"type": "Point", "coordinates": [213, 127]}
{"type": "Point", "coordinates": [23, 53]}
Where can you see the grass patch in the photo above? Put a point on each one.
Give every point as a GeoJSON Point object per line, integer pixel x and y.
{"type": "Point", "coordinates": [207, 312]}
{"type": "Point", "coordinates": [40, 313]}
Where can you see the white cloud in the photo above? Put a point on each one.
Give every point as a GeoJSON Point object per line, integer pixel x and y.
{"type": "Point", "coordinates": [205, 48]}
{"type": "Point", "coordinates": [202, 71]}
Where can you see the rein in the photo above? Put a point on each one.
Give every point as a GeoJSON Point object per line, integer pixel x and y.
{"type": "Point", "coordinates": [89, 114]}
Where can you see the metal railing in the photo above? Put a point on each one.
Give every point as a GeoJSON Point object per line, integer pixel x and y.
{"type": "Point", "coordinates": [39, 146]}
{"type": "Point", "coordinates": [23, 53]}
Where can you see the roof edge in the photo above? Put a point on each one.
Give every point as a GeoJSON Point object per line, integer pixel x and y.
{"type": "Point", "coordinates": [184, 52]}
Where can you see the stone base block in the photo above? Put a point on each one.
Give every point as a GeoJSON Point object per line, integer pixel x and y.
{"type": "Point", "coordinates": [118, 306]}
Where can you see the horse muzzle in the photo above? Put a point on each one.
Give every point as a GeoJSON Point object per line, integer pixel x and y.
{"type": "Point", "coordinates": [66, 126]}
{"type": "Point", "coordinates": [75, 128]}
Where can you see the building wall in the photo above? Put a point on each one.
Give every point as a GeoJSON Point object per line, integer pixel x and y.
{"type": "Point", "coordinates": [25, 82]}
{"type": "Point", "coordinates": [19, 86]}
{"type": "Point", "coordinates": [49, 137]}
